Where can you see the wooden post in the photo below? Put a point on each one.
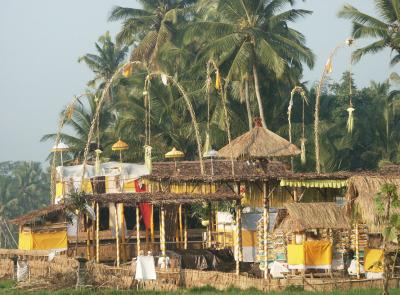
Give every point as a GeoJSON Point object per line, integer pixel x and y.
{"type": "Point", "coordinates": [97, 233]}
{"type": "Point", "coordinates": [124, 255]}
{"type": "Point", "coordinates": [162, 235]}
{"type": "Point", "coordinates": [180, 226]}
{"type": "Point", "coordinates": [265, 227]}
{"type": "Point", "coordinates": [87, 238]}
{"type": "Point", "coordinates": [209, 226]}
{"type": "Point", "coordinates": [137, 230]}
{"type": "Point", "coordinates": [117, 233]}
{"type": "Point", "coordinates": [185, 238]}
{"type": "Point", "coordinates": [357, 251]}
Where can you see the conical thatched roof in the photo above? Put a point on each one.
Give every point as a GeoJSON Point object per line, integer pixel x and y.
{"type": "Point", "coordinates": [259, 143]}
{"type": "Point", "coordinates": [304, 216]}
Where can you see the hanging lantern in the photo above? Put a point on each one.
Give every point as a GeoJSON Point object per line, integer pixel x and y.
{"type": "Point", "coordinates": [303, 150]}
{"type": "Point", "coordinates": [164, 79]}
{"type": "Point", "coordinates": [350, 119]}
{"type": "Point", "coordinates": [218, 81]}
{"type": "Point", "coordinates": [329, 66]}
{"type": "Point", "coordinates": [127, 71]}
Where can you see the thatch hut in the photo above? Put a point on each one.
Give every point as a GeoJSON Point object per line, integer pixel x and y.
{"type": "Point", "coordinates": [304, 216]}
{"type": "Point", "coordinates": [361, 191]}
{"type": "Point", "coordinates": [43, 229]}
{"type": "Point", "coordinates": [259, 143]}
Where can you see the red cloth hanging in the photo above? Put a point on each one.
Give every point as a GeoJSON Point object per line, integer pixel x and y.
{"type": "Point", "coordinates": [145, 208]}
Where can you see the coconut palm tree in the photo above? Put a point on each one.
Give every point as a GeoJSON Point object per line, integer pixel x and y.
{"type": "Point", "coordinates": [148, 28]}
{"type": "Point", "coordinates": [107, 60]}
{"type": "Point", "coordinates": [384, 30]}
{"type": "Point", "coordinates": [252, 35]}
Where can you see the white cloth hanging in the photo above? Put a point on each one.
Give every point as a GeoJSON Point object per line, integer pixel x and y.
{"type": "Point", "coordinates": [145, 269]}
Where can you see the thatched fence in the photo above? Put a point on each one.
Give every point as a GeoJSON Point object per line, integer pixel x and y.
{"type": "Point", "coordinates": [61, 273]}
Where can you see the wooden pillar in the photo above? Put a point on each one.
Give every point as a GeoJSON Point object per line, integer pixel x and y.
{"type": "Point", "coordinates": [357, 251]}
{"type": "Point", "coordinates": [137, 230]}
{"type": "Point", "coordinates": [123, 240]}
{"type": "Point", "coordinates": [162, 235]}
{"type": "Point", "coordinates": [117, 234]}
{"type": "Point", "coordinates": [209, 226]}
{"type": "Point", "coordinates": [265, 227]}
{"type": "Point", "coordinates": [97, 233]}
{"type": "Point", "coordinates": [185, 238]}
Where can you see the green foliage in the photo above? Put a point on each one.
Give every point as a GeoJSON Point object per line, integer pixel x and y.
{"type": "Point", "coordinates": [386, 202]}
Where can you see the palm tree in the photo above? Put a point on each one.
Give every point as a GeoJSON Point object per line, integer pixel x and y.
{"type": "Point", "coordinates": [385, 31]}
{"type": "Point", "coordinates": [251, 34]}
{"type": "Point", "coordinates": [107, 60]}
{"type": "Point", "coordinates": [148, 28]}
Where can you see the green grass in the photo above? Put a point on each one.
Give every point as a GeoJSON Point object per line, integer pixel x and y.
{"type": "Point", "coordinates": [6, 287]}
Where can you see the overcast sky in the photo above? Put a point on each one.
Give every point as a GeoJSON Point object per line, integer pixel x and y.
{"type": "Point", "coordinates": [41, 40]}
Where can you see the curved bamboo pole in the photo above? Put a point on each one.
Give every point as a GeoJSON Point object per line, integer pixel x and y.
{"type": "Point", "coordinates": [223, 92]}
{"type": "Point", "coordinates": [325, 73]}
{"type": "Point", "coordinates": [63, 118]}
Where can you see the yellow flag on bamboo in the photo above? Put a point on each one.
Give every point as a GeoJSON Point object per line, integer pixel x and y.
{"type": "Point", "coordinates": [127, 71]}
{"type": "Point", "coordinates": [329, 66]}
{"type": "Point", "coordinates": [218, 81]}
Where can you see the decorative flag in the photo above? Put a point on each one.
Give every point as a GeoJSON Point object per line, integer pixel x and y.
{"type": "Point", "coordinates": [127, 71]}
{"type": "Point", "coordinates": [218, 81]}
{"type": "Point", "coordinates": [329, 66]}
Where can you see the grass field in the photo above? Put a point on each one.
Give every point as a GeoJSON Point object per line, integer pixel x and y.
{"type": "Point", "coordinates": [6, 287]}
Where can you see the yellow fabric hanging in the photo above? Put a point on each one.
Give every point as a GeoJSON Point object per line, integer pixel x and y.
{"type": "Point", "coordinates": [329, 66]}
{"type": "Point", "coordinates": [87, 186]}
{"type": "Point", "coordinates": [295, 254]}
{"type": "Point", "coordinates": [59, 189]}
{"type": "Point", "coordinates": [373, 260]}
{"type": "Point", "coordinates": [43, 240]}
{"type": "Point", "coordinates": [318, 254]}
{"type": "Point", "coordinates": [129, 186]}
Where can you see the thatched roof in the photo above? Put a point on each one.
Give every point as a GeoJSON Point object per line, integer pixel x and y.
{"type": "Point", "coordinates": [360, 195]}
{"type": "Point", "coordinates": [162, 198]}
{"type": "Point", "coordinates": [258, 143]}
{"type": "Point", "coordinates": [190, 171]}
{"type": "Point", "coordinates": [34, 215]}
{"type": "Point", "coordinates": [304, 216]}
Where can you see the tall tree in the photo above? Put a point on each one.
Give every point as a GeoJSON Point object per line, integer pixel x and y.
{"type": "Point", "coordinates": [148, 28]}
{"type": "Point", "coordinates": [384, 30]}
{"type": "Point", "coordinates": [250, 35]}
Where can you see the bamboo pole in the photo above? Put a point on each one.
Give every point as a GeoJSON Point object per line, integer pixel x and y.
{"type": "Point", "coordinates": [162, 236]}
{"type": "Point", "coordinates": [265, 227]}
{"type": "Point", "coordinates": [357, 251]}
{"type": "Point", "coordinates": [209, 226]}
{"type": "Point", "coordinates": [185, 238]}
{"type": "Point", "coordinates": [124, 255]}
{"type": "Point", "coordinates": [180, 226]}
{"type": "Point", "coordinates": [152, 227]}
{"type": "Point", "coordinates": [97, 233]}
{"type": "Point", "coordinates": [94, 232]}
{"type": "Point", "coordinates": [117, 233]}
{"type": "Point", "coordinates": [137, 230]}
{"type": "Point", "coordinates": [87, 238]}
{"type": "Point", "coordinates": [237, 239]}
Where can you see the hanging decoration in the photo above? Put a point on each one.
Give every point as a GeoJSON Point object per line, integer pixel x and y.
{"type": "Point", "coordinates": [350, 109]}
{"type": "Point", "coordinates": [350, 119]}
{"type": "Point", "coordinates": [303, 140]}
{"type": "Point", "coordinates": [329, 66]}
{"type": "Point", "coordinates": [218, 81]}
{"type": "Point", "coordinates": [164, 79]}
{"type": "Point", "coordinates": [127, 70]}
{"type": "Point", "coordinates": [147, 157]}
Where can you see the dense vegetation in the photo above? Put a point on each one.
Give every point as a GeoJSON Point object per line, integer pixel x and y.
{"type": "Point", "coordinates": [259, 58]}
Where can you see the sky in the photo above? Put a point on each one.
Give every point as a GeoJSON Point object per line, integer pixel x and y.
{"type": "Point", "coordinates": [41, 41]}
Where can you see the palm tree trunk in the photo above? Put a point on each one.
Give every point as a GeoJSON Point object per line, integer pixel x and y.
{"type": "Point", "coordinates": [246, 94]}
{"type": "Point", "coordinates": [259, 100]}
